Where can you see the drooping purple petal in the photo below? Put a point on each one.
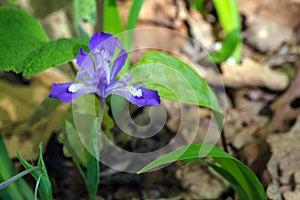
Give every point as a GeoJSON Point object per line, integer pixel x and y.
{"type": "Point", "coordinates": [61, 91]}
{"type": "Point", "coordinates": [118, 64]}
{"type": "Point", "coordinates": [149, 98]}
{"type": "Point", "coordinates": [144, 97]}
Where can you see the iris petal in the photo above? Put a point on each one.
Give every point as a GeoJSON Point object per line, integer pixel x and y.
{"type": "Point", "coordinates": [118, 64]}
{"type": "Point", "coordinates": [97, 76]}
{"type": "Point", "coordinates": [137, 95]}
{"type": "Point", "coordinates": [62, 92]}
{"type": "Point", "coordinates": [97, 39]}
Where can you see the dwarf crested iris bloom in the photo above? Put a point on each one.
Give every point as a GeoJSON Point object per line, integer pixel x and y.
{"type": "Point", "coordinates": [98, 74]}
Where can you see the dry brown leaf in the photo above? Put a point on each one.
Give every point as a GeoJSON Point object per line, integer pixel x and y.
{"type": "Point", "coordinates": [282, 12]}
{"type": "Point", "coordinates": [18, 103]}
{"type": "Point", "coordinates": [284, 165]}
{"type": "Point", "coordinates": [286, 107]}
{"type": "Point", "coordinates": [200, 29]}
{"type": "Point", "coordinates": [201, 183]}
{"type": "Point", "coordinates": [162, 12]}
{"type": "Point", "coordinates": [266, 35]}
{"type": "Point", "coordinates": [252, 73]}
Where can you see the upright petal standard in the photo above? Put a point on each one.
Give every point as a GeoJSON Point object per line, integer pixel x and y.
{"type": "Point", "coordinates": [98, 72]}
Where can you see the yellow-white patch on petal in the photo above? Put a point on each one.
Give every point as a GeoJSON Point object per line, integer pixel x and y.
{"type": "Point", "coordinates": [75, 87]}
{"type": "Point", "coordinates": [136, 92]}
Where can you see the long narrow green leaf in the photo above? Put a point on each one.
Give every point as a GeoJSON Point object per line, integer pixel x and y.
{"type": "Point", "coordinates": [241, 177]}
{"type": "Point", "coordinates": [93, 163]}
{"type": "Point", "coordinates": [45, 190]}
{"type": "Point", "coordinates": [229, 17]}
{"type": "Point", "coordinates": [131, 24]}
{"type": "Point", "coordinates": [112, 20]}
{"type": "Point", "coordinates": [228, 14]}
{"type": "Point", "coordinates": [7, 171]}
{"type": "Point", "coordinates": [43, 110]}
{"type": "Point", "coordinates": [134, 14]}
{"type": "Point", "coordinates": [230, 42]}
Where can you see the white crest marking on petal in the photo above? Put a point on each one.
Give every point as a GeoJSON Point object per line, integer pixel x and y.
{"type": "Point", "coordinates": [136, 92]}
{"type": "Point", "coordinates": [75, 87]}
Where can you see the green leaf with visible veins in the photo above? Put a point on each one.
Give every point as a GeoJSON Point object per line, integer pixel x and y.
{"type": "Point", "coordinates": [52, 54]}
{"type": "Point", "coordinates": [241, 178]}
{"type": "Point", "coordinates": [174, 80]}
{"type": "Point", "coordinates": [25, 47]}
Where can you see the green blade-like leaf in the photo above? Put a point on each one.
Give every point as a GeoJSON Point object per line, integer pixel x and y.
{"type": "Point", "coordinates": [229, 17]}
{"type": "Point", "coordinates": [245, 182]}
{"type": "Point", "coordinates": [177, 81]}
{"type": "Point", "coordinates": [43, 110]}
{"type": "Point", "coordinates": [45, 190]}
{"type": "Point", "coordinates": [72, 144]}
{"type": "Point", "coordinates": [19, 189]}
{"type": "Point", "coordinates": [93, 168]}
{"type": "Point", "coordinates": [228, 14]}
{"type": "Point", "coordinates": [112, 22]}
{"type": "Point", "coordinates": [231, 41]}
{"type": "Point", "coordinates": [134, 14]}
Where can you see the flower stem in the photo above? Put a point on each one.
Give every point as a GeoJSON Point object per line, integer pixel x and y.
{"type": "Point", "coordinates": [101, 112]}
{"type": "Point", "coordinates": [93, 165]}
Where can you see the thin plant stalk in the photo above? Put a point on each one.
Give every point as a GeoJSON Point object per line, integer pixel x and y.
{"type": "Point", "coordinates": [18, 176]}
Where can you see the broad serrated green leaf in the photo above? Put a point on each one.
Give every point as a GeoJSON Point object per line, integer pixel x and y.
{"type": "Point", "coordinates": [52, 54]}
{"type": "Point", "coordinates": [174, 80]}
{"type": "Point", "coordinates": [244, 181]}
{"type": "Point", "coordinates": [26, 48]}
{"type": "Point", "coordinates": [17, 190]}
{"type": "Point", "coordinates": [19, 35]}
{"type": "Point", "coordinates": [45, 190]}
{"type": "Point", "coordinates": [112, 22]}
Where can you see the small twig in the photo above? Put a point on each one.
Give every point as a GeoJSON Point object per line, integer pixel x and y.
{"type": "Point", "coordinates": [100, 16]}
{"type": "Point", "coordinates": [224, 142]}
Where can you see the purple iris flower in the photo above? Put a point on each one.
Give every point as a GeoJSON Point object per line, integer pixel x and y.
{"type": "Point", "coordinates": [98, 75]}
